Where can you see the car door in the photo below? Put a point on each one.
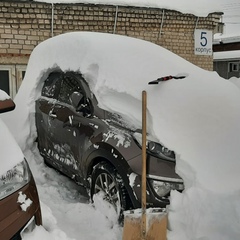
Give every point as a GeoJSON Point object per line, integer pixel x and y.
{"type": "Point", "coordinates": [72, 132]}
{"type": "Point", "coordinates": [44, 108]}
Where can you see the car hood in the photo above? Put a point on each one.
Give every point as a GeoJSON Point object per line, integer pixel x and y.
{"type": "Point", "coordinates": [10, 152]}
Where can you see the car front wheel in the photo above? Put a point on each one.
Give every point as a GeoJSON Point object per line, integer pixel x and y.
{"type": "Point", "coordinates": [109, 184]}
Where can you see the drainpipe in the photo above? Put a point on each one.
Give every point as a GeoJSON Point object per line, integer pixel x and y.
{"type": "Point", "coordinates": [52, 19]}
{"type": "Point", "coordinates": [115, 22]}
{"type": "Point", "coordinates": [160, 33]}
{"type": "Point", "coordinates": [196, 23]}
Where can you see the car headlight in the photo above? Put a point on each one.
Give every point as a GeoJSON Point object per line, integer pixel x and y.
{"type": "Point", "coordinates": [154, 148]}
{"type": "Point", "coordinates": [14, 179]}
{"type": "Point", "coordinates": [163, 188]}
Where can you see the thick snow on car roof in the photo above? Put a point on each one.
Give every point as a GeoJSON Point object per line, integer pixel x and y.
{"type": "Point", "coordinates": [10, 152]}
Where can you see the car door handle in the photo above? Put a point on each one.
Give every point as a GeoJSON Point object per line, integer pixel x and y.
{"type": "Point", "coordinates": [52, 115]}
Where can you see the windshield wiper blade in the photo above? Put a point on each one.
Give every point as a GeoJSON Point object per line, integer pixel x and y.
{"type": "Point", "coordinates": [162, 79]}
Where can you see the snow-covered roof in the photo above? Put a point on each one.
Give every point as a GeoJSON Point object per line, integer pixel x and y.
{"type": "Point", "coordinates": [220, 38]}
{"type": "Point", "coordinates": [227, 55]}
{"type": "Point", "coordinates": [199, 8]}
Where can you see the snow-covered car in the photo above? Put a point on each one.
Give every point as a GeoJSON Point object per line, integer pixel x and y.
{"type": "Point", "coordinates": [197, 117]}
{"type": "Point", "coordinates": [96, 147]}
{"type": "Point", "coordinates": [19, 204]}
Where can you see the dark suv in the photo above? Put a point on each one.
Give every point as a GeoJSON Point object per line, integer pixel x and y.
{"type": "Point", "coordinates": [95, 147]}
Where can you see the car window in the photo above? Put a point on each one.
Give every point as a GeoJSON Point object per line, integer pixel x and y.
{"type": "Point", "coordinates": [51, 85]}
{"type": "Point", "coordinates": [69, 85]}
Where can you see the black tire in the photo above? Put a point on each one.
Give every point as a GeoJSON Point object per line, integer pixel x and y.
{"type": "Point", "coordinates": [106, 179]}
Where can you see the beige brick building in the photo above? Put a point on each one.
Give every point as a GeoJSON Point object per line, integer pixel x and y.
{"type": "Point", "coordinates": [24, 24]}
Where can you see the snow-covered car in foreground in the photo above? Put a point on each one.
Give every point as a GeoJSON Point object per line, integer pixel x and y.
{"type": "Point", "coordinates": [197, 117]}
{"type": "Point", "coordinates": [100, 148]}
{"type": "Point", "coordinates": [19, 203]}
{"type": "Point", "coordinates": [97, 148]}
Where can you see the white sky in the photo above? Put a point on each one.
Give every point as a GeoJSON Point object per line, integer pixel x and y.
{"type": "Point", "coordinates": [198, 117]}
{"type": "Point", "coordinates": [231, 18]}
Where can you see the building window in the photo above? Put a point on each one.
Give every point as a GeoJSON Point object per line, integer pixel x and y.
{"type": "Point", "coordinates": [4, 81]}
{"type": "Point", "coordinates": [233, 67]}
{"type": "Point", "coordinates": [7, 83]}
{"type": "Point", "coordinates": [11, 77]}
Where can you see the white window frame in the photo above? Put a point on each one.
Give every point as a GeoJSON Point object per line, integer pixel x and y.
{"type": "Point", "coordinates": [19, 70]}
{"type": "Point", "coordinates": [233, 66]}
{"type": "Point", "coordinates": [15, 77]}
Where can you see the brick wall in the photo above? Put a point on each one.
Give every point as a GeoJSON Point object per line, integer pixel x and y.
{"type": "Point", "coordinates": [25, 24]}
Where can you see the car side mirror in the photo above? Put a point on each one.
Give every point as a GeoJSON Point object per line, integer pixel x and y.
{"type": "Point", "coordinates": [6, 105]}
{"type": "Point", "coordinates": [75, 99]}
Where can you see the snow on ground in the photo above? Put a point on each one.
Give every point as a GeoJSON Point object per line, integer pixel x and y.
{"type": "Point", "coordinates": [67, 214]}
{"type": "Point", "coordinates": [198, 117]}
{"type": "Point", "coordinates": [235, 80]}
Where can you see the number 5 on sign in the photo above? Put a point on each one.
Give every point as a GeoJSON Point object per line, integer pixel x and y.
{"type": "Point", "coordinates": [203, 42]}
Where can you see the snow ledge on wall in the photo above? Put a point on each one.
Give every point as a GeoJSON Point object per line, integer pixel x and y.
{"type": "Point", "coordinates": [201, 8]}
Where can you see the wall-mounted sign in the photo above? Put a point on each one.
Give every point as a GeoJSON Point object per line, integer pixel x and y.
{"type": "Point", "coordinates": [203, 42]}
